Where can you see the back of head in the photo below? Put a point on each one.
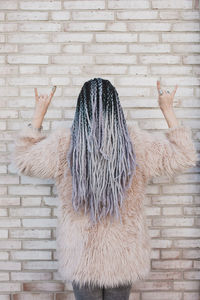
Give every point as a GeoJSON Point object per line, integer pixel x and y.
{"type": "Point", "coordinates": [101, 156]}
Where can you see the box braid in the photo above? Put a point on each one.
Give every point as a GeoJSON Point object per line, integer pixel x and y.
{"type": "Point", "coordinates": [101, 156]}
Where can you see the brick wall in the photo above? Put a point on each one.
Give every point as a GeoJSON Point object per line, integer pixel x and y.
{"type": "Point", "coordinates": [64, 43]}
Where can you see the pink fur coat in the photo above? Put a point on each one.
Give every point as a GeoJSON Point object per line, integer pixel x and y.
{"type": "Point", "coordinates": [109, 253]}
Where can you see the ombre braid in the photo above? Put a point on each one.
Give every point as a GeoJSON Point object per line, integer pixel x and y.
{"type": "Point", "coordinates": [101, 156]}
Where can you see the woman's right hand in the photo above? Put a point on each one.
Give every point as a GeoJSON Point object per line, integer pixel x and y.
{"type": "Point", "coordinates": [41, 105]}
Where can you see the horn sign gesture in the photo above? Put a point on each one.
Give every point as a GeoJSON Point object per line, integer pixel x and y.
{"type": "Point", "coordinates": [165, 99]}
{"type": "Point", "coordinates": [41, 105]}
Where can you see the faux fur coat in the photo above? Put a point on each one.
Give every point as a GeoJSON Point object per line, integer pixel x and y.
{"type": "Point", "coordinates": [108, 253]}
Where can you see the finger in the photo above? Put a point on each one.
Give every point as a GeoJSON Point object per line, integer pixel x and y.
{"type": "Point", "coordinates": [158, 85]}
{"type": "Point", "coordinates": [52, 93]}
{"type": "Point", "coordinates": [36, 93]}
{"type": "Point", "coordinates": [174, 91]}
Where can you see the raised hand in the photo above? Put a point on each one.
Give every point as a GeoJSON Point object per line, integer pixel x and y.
{"type": "Point", "coordinates": [41, 105]}
{"type": "Point", "coordinates": [165, 99]}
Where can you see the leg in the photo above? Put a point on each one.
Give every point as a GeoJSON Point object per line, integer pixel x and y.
{"type": "Point", "coordinates": [121, 292]}
{"type": "Point", "coordinates": [87, 292]}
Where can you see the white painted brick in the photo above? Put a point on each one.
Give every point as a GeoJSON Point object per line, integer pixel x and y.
{"type": "Point", "coordinates": [30, 255]}
{"type": "Point", "coordinates": [11, 287]}
{"type": "Point", "coordinates": [162, 295]}
{"type": "Point", "coordinates": [8, 5]}
{"type": "Point", "coordinates": [186, 26]}
{"type": "Point", "coordinates": [153, 48]}
{"type": "Point", "coordinates": [24, 212]}
{"type": "Point", "coordinates": [3, 232]}
{"type": "Point", "coordinates": [27, 59]}
{"type": "Point", "coordinates": [148, 37]}
{"type": "Point", "coordinates": [24, 38]}
{"type": "Point", "coordinates": [107, 48]}
{"type": "Point", "coordinates": [181, 37]}
{"type": "Point", "coordinates": [116, 59]}
{"type": "Point", "coordinates": [7, 27]}
{"type": "Point", "coordinates": [72, 37]}
{"type": "Point", "coordinates": [60, 81]}
{"type": "Point", "coordinates": [40, 265]}
{"type": "Point", "coordinates": [43, 244]}
{"type": "Point", "coordinates": [73, 59]}
{"type": "Point", "coordinates": [72, 49]}
{"type": "Point", "coordinates": [162, 4]}
{"type": "Point", "coordinates": [186, 48]}
{"type": "Point", "coordinates": [40, 5]}
{"type": "Point", "coordinates": [40, 27]}
{"type": "Point", "coordinates": [116, 4]}
{"type": "Point", "coordinates": [150, 26]}
{"type": "Point", "coordinates": [93, 15]}
{"type": "Point", "coordinates": [30, 233]}
{"type": "Point", "coordinates": [139, 14]}
{"type": "Point", "coordinates": [191, 59]}
{"type": "Point", "coordinates": [39, 222]}
{"type": "Point", "coordinates": [160, 59]}
{"type": "Point", "coordinates": [84, 4]}
{"type": "Point", "coordinates": [117, 26]}
{"type": "Point", "coordinates": [29, 190]}
{"type": "Point", "coordinates": [169, 14]}
{"type": "Point", "coordinates": [190, 15]}
{"type": "Point", "coordinates": [10, 265]}
{"type": "Point", "coordinates": [2, 16]}
{"type": "Point", "coordinates": [60, 15]}
{"type": "Point", "coordinates": [28, 81]}
{"type": "Point", "coordinates": [27, 16]}
{"type": "Point", "coordinates": [180, 232]}
{"type": "Point", "coordinates": [7, 48]}
{"type": "Point", "coordinates": [116, 37]}
{"type": "Point", "coordinates": [24, 276]}
{"type": "Point", "coordinates": [178, 70]}
{"type": "Point", "coordinates": [29, 69]}
{"type": "Point", "coordinates": [83, 26]}
{"type": "Point", "coordinates": [106, 69]}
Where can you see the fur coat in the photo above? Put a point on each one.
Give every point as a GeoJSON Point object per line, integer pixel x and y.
{"type": "Point", "coordinates": [106, 254]}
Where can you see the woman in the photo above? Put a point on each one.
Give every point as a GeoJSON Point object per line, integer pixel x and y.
{"type": "Point", "coordinates": [101, 167]}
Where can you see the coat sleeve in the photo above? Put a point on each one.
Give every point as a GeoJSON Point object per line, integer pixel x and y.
{"type": "Point", "coordinates": [167, 153]}
{"type": "Point", "coordinates": [36, 154]}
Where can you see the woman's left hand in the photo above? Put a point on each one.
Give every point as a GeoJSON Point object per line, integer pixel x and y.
{"type": "Point", "coordinates": [165, 100]}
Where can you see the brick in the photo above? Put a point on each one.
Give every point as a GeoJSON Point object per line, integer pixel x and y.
{"type": "Point", "coordinates": [25, 38]}
{"type": "Point", "coordinates": [11, 287]}
{"type": "Point", "coordinates": [27, 16]}
{"type": "Point", "coordinates": [83, 26]}
{"type": "Point", "coordinates": [186, 26]}
{"type": "Point", "coordinates": [43, 244]}
{"type": "Point", "coordinates": [117, 26]}
{"type": "Point", "coordinates": [116, 37]}
{"type": "Point", "coordinates": [181, 37]}
{"type": "Point", "coordinates": [8, 27]}
{"type": "Point", "coordinates": [117, 4]}
{"type": "Point", "coordinates": [153, 48]}
{"type": "Point", "coordinates": [148, 37]}
{"type": "Point", "coordinates": [29, 59]}
{"type": "Point", "coordinates": [39, 222]}
{"type": "Point", "coordinates": [60, 15]}
{"type": "Point", "coordinates": [8, 5]}
{"type": "Point", "coordinates": [40, 265]}
{"type": "Point", "coordinates": [43, 286]}
{"type": "Point", "coordinates": [190, 15]}
{"type": "Point", "coordinates": [107, 48]}
{"type": "Point", "coordinates": [40, 5]}
{"type": "Point", "coordinates": [73, 59]}
{"type": "Point", "coordinates": [172, 264]}
{"type": "Point", "coordinates": [162, 295]}
{"type": "Point", "coordinates": [28, 81]}
{"type": "Point", "coordinates": [29, 190]}
{"type": "Point", "coordinates": [40, 27]}
{"type": "Point", "coordinates": [84, 4]}
{"type": "Point", "coordinates": [31, 296]}
{"type": "Point", "coordinates": [189, 48]}
{"type": "Point", "coordinates": [93, 15]}
{"type": "Point", "coordinates": [170, 4]}
{"type": "Point", "coordinates": [191, 59]}
{"type": "Point", "coordinates": [159, 59]}
{"type": "Point", "coordinates": [30, 255]}
{"type": "Point", "coordinates": [40, 212]}
{"type": "Point", "coordinates": [32, 233]}
{"type": "Point", "coordinates": [180, 232]}
{"type": "Point", "coordinates": [116, 59]}
{"type": "Point", "coordinates": [7, 48]}
{"type": "Point", "coordinates": [134, 15]}
{"type": "Point", "coordinates": [149, 26]}
{"type": "Point", "coordinates": [24, 276]}
{"type": "Point", "coordinates": [72, 37]}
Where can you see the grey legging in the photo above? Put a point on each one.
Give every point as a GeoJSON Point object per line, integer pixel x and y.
{"type": "Point", "coordinates": [120, 292]}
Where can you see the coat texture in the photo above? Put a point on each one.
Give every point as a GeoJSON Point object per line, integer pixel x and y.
{"type": "Point", "coordinates": [107, 254]}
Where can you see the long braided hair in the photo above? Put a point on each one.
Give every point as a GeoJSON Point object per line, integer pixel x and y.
{"type": "Point", "coordinates": [101, 156]}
